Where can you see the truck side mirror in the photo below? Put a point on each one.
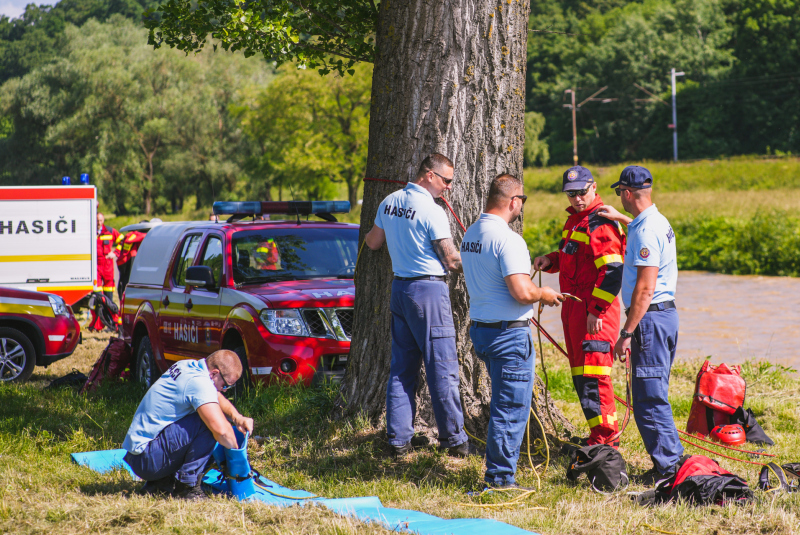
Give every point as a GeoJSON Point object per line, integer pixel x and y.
{"type": "Point", "coordinates": [200, 276]}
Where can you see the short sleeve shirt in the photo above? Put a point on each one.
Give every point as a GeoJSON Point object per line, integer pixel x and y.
{"type": "Point", "coordinates": [412, 220]}
{"type": "Point", "coordinates": [490, 251]}
{"type": "Point", "coordinates": [179, 392]}
{"type": "Point", "coordinates": [651, 242]}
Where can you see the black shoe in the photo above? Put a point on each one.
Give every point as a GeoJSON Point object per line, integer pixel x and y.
{"type": "Point", "coordinates": [157, 487]}
{"type": "Point", "coordinates": [417, 441]}
{"type": "Point", "coordinates": [651, 478]}
{"type": "Point", "coordinates": [188, 492]}
{"type": "Point", "coordinates": [465, 449]}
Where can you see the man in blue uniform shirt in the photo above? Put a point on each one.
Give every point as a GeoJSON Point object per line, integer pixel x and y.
{"type": "Point", "coordinates": [417, 232]}
{"type": "Point", "coordinates": [179, 421]}
{"type": "Point", "coordinates": [497, 270]}
{"type": "Point", "coordinates": [649, 280]}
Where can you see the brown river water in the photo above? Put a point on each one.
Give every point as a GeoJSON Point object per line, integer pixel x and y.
{"type": "Point", "coordinates": [733, 318]}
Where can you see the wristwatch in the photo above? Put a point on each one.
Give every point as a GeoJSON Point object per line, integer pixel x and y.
{"type": "Point", "coordinates": [625, 334]}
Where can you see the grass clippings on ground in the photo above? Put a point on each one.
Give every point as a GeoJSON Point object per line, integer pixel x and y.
{"type": "Point", "coordinates": [301, 447]}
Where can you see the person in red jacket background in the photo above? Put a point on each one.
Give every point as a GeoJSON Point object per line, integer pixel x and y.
{"type": "Point", "coordinates": [106, 238]}
{"type": "Point", "coordinates": [126, 246]}
{"type": "Point", "coordinates": [589, 263]}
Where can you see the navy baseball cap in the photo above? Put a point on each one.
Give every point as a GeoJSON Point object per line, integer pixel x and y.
{"type": "Point", "coordinates": [576, 178]}
{"type": "Point", "coordinates": [634, 176]}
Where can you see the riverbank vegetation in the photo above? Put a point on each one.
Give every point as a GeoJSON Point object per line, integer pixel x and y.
{"type": "Point", "coordinates": [302, 447]}
{"type": "Point", "coordinates": [735, 216]}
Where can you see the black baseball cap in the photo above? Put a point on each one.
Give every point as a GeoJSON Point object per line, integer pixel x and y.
{"type": "Point", "coordinates": [634, 176]}
{"type": "Point", "coordinates": [576, 178]}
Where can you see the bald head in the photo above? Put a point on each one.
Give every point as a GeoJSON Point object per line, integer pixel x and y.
{"type": "Point", "coordinates": [227, 362]}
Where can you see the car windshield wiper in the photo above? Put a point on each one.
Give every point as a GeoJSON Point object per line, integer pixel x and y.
{"type": "Point", "coordinates": [270, 278]}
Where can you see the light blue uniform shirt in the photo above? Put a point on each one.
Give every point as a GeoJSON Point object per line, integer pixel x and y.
{"type": "Point", "coordinates": [651, 242]}
{"type": "Point", "coordinates": [490, 251]}
{"type": "Point", "coordinates": [178, 393]}
{"type": "Point", "coordinates": [411, 220]}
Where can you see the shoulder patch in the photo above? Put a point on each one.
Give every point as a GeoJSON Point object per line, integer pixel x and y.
{"type": "Point", "coordinates": [644, 252]}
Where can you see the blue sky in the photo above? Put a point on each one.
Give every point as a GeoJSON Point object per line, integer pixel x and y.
{"type": "Point", "coordinates": [15, 8]}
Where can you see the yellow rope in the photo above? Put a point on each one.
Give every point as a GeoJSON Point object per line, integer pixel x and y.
{"type": "Point", "coordinates": [263, 487]}
{"type": "Point", "coordinates": [663, 531]}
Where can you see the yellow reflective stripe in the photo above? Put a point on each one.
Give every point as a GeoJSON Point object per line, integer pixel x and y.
{"type": "Point", "coordinates": [106, 237]}
{"type": "Point", "coordinates": [44, 257]}
{"type": "Point", "coordinates": [579, 236]}
{"type": "Point", "coordinates": [120, 238]}
{"type": "Point", "coordinates": [608, 259]}
{"type": "Point", "coordinates": [602, 294]}
{"type": "Point", "coordinates": [13, 308]}
{"type": "Point", "coordinates": [108, 288]}
{"type": "Point", "coordinates": [173, 356]}
{"type": "Point", "coordinates": [565, 234]}
{"type": "Point", "coordinates": [591, 370]}
{"type": "Point", "coordinates": [597, 420]}
{"type": "Point", "coordinates": [611, 419]}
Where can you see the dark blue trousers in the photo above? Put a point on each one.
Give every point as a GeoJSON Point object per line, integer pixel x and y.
{"type": "Point", "coordinates": [652, 354]}
{"type": "Point", "coordinates": [423, 331]}
{"type": "Point", "coordinates": [181, 449]}
{"type": "Point", "coordinates": [510, 359]}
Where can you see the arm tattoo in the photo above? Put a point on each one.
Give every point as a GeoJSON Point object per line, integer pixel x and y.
{"type": "Point", "coordinates": [448, 254]}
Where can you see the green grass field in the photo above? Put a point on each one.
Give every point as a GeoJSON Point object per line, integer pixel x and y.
{"type": "Point", "coordinates": [735, 216]}
{"type": "Point", "coordinates": [43, 492]}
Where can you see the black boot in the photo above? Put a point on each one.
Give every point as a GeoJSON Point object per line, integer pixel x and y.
{"type": "Point", "coordinates": [157, 487]}
{"type": "Point", "coordinates": [189, 492]}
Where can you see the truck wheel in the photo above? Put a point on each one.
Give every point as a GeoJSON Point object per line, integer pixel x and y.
{"type": "Point", "coordinates": [17, 356]}
{"type": "Point", "coordinates": [243, 384]}
{"type": "Point", "coordinates": [147, 371]}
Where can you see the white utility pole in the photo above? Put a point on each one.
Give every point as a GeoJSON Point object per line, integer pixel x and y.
{"type": "Point", "coordinates": [674, 124]}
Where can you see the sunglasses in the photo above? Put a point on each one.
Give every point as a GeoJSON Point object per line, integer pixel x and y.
{"type": "Point", "coordinates": [447, 181]}
{"type": "Point", "coordinates": [619, 191]}
{"type": "Point", "coordinates": [581, 192]}
{"type": "Point", "coordinates": [225, 385]}
{"type": "Point", "coordinates": [523, 197]}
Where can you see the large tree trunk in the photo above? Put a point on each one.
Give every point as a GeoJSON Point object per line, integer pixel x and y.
{"type": "Point", "coordinates": [449, 77]}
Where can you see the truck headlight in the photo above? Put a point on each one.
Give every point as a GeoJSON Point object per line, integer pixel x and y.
{"type": "Point", "coordinates": [58, 305]}
{"type": "Point", "coordinates": [287, 322]}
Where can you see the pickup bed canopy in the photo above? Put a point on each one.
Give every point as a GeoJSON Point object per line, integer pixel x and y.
{"type": "Point", "coordinates": [152, 261]}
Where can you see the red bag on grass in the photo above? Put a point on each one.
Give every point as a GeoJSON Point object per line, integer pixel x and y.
{"type": "Point", "coordinates": [114, 360]}
{"type": "Point", "coordinates": [719, 391]}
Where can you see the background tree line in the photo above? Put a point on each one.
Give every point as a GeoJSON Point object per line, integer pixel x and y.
{"type": "Point", "coordinates": [154, 128]}
{"type": "Point", "coordinates": [82, 91]}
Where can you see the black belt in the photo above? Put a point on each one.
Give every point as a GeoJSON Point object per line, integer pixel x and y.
{"type": "Point", "coordinates": [658, 306]}
{"type": "Point", "coordinates": [499, 324]}
{"type": "Point", "coordinates": [421, 278]}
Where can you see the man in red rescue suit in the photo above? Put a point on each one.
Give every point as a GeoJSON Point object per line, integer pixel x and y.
{"type": "Point", "coordinates": [266, 255]}
{"type": "Point", "coordinates": [589, 263]}
{"type": "Point", "coordinates": [106, 238]}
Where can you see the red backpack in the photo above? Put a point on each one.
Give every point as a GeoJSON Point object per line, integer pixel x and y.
{"type": "Point", "coordinates": [113, 362]}
{"type": "Point", "coordinates": [719, 391]}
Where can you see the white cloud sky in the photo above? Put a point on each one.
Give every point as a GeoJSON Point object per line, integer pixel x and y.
{"type": "Point", "coordinates": [15, 8]}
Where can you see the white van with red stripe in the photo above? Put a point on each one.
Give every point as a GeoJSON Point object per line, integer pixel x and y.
{"type": "Point", "coordinates": [48, 239]}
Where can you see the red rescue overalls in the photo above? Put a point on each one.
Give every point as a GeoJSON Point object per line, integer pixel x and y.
{"type": "Point", "coordinates": [589, 263]}
{"type": "Point", "coordinates": [106, 238]}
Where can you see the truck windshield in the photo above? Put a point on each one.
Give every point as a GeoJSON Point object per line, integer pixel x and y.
{"type": "Point", "coordinates": [294, 254]}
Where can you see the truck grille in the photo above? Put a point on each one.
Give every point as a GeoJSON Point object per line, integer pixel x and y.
{"type": "Point", "coordinates": [316, 325]}
{"type": "Point", "coordinates": [345, 316]}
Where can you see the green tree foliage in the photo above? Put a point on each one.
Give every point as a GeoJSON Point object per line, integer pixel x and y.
{"type": "Point", "coordinates": [740, 57]}
{"type": "Point", "coordinates": [311, 131]}
{"type": "Point", "coordinates": [37, 36]}
{"type": "Point", "coordinates": [536, 151]}
{"type": "Point", "coordinates": [151, 127]}
{"type": "Point", "coordinates": [328, 34]}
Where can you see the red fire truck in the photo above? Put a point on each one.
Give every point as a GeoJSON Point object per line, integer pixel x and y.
{"type": "Point", "coordinates": [278, 293]}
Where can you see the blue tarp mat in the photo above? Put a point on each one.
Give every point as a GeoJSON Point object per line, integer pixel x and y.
{"type": "Point", "coordinates": [367, 509]}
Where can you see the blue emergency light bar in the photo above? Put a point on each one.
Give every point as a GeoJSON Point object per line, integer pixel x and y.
{"type": "Point", "coordinates": [298, 208]}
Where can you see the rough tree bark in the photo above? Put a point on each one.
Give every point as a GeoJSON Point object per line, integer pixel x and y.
{"type": "Point", "coordinates": [449, 77]}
